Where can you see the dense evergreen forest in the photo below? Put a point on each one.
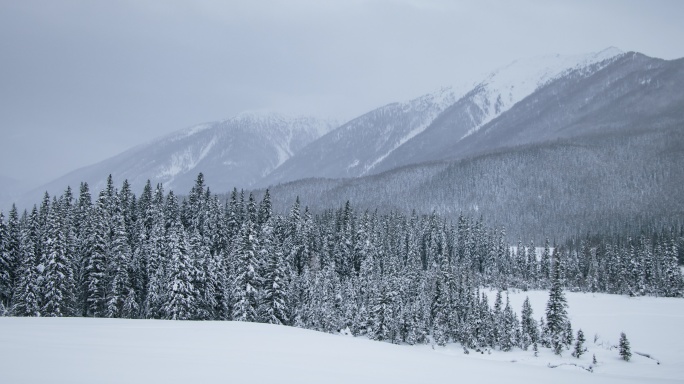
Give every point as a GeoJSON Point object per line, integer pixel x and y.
{"type": "Point", "coordinates": [410, 279]}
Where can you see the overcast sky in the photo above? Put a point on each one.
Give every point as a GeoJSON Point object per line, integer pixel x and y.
{"type": "Point", "coordinates": [81, 81]}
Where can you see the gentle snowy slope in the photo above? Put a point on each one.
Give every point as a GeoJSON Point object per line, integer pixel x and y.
{"type": "Point", "coordinates": [77, 350]}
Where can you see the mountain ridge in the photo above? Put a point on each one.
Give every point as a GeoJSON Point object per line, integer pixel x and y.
{"type": "Point", "coordinates": [231, 152]}
{"type": "Point", "coordinates": [609, 96]}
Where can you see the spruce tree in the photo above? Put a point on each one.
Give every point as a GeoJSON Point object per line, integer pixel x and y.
{"type": "Point", "coordinates": [275, 301]}
{"type": "Point", "coordinates": [10, 240]}
{"type": "Point", "coordinates": [120, 294]}
{"type": "Point", "coordinates": [529, 329]}
{"type": "Point", "coordinates": [179, 303]}
{"type": "Point", "coordinates": [556, 312]}
{"type": "Point", "coordinates": [58, 280]}
{"type": "Point", "coordinates": [95, 277]}
{"type": "Point", "coordinates": [248, 280]}
{"type": "Point", "coordinates": [625, 351]}
{"type": "Point", "coordinates": [579, 345]}
{"type": "Point", "coordinates": [509, 338]}
{"type": "Point", "coordinates": [27, 297]}
{"type": "Point", "coordinates": [5, 267]}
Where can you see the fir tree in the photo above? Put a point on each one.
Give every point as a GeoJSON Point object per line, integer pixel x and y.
{"type": "Point", "coordinates": [57, 283]}
{"type": "Point", "coordinates": [556, 312]}
{"type": "Point", "coordinates": [5, 266]}
{"type": "Point", "coordinates": [95, 273]}
{"type": "Point", "coordinates": [120, 290]}
{"type": "Point", "coordinates": [27, 292]}
{"type": "Point", "coordinates": [247, 284]}
{"type": "Point", "coordinates": [625, 351]}
{"type": "Point", "coordinates": [9, 256]}
{"type": "Point", "coordinates": [529, 330]}
{"type": "Point", "coordinates": [579, 345]}
{"type": "Point", "coordinates": [275, 301]}
{"type": "Point", "coordinates": [511, 327]}
{"type": "Point", "coordinates": [179, 301]}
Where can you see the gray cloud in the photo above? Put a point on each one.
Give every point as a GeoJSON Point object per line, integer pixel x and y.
{"type": "Point", "coordinates": [81, 81]}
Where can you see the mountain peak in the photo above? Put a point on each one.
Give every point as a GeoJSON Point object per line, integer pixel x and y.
{"type": "Point", "coordinates": [610, 52]}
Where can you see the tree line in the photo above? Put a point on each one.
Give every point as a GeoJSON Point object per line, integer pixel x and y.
{"type": "Point", "coordinates": [393, 277]}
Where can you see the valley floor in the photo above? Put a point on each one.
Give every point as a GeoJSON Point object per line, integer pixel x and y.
{"type": "Point", "coordinates": [79, 350]}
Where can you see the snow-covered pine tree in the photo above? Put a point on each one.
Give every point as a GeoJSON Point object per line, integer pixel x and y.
{"type": "Point", "coordinates": [440, 310]}
{"type": "Point", "coordinates": [556, 311]}
{"type": "Point", "coordinates": [275, 307]}
{"type": "Point", "coordinates": [9, 255]}
{"type": "Point", "coordinates": [529, 332]}
{"type": "Point", "coordinates": [216, 282]}
{"type": "Point", "coordinates": [382, 313]}
{"type": "Point", "coordinates": [247, 284]}
{"type": "Point", "coordinates": [483, 322]}
{"type": "Point", "coordinates": [509, 338]}
{"type": "Point", "coordinates": [498, 323]}
{"type": "Point", "coordinates": [579, 345]}
{"type": "Point", "coordinates": [27, 291]}
{"type": "Point", "coordinates": [545, 265]}
{"type": "Point", "coordinates": [200, 256]}
{"type": "Point", "coordinates": [179, 301]}
{"type": "Point", "coordinates": [120, 288]}
{"type": "Point", "coordinates": [95, 277]}
{"type": "Point", "coordinates": [58, 281]}
{"type": "Point", "coordinates": [672, 279]}
{"type": "Point", "coordinates": [625, 350]}
{"type": "Point", "coordinates": [83, 245]}
{"type": "Point", "coordinates": [5, 267]}
{"type": "Point", "coordinates": [155, 252]}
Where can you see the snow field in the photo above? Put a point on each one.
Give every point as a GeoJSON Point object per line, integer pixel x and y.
{"type": "Point", "coordinates": [79, 350]}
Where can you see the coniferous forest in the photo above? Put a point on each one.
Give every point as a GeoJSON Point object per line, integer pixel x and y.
{"type": "Point", "coordinates": [393, 277]}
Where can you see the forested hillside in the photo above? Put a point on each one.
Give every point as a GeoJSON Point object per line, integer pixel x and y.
{"type": "Point", "coordinates": [603, 183]}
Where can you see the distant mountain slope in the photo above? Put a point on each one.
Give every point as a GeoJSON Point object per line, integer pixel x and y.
{"type": "Point", "coordinates": [595, 183]}
{"type": "Point", "coordinates": [632, 92]}
{"type": "Point", "coordinates": [232, 153]}
{"type": "Point", "coordinates": [355, 148]}
{"type": "Point", "coordinates": [598, 149]}
{"type": "Point", "coordinates": [488, 100]}
{"type": "Point", "coordinates": [419, 130]}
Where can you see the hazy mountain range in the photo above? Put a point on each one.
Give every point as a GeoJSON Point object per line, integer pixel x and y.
{"type": "Point", "coordinates": [574, 136]}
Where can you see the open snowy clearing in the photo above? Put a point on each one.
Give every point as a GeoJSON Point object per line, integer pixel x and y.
{"type": "Point", "coordinates": [78, 350]}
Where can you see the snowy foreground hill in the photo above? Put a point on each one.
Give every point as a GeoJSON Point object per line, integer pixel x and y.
{"type": "Point", "coordinates": [78, 350]}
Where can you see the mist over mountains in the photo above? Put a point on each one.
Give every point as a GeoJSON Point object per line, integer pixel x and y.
{"type": "Point", "coordinates": [548, 146]}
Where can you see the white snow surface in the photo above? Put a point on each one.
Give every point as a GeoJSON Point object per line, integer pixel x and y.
{"type": "Point", "coordinates": [81, 350]}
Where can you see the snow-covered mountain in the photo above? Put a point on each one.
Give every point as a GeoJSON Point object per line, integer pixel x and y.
{"type": "Point", "coordinates": [599, 147]}
{"type": "Point", "coordinates": [234, 152]}
{"type": "Point", "coordinates": [355, 148]}
{"type": "Point", "coordinates": [529, 102]}
{"type": "Point", "coordinates": [489, 99]}
{"type": "Point", "coordinates": [417, 131]}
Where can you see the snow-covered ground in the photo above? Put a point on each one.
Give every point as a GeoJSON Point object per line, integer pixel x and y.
{"type": "Point", "coordinates": [77, 350]}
